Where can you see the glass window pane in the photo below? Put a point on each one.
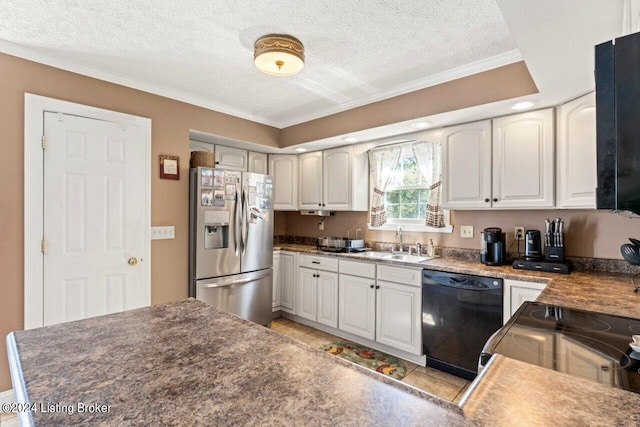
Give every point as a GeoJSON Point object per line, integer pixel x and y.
{"type": "Point", "coordinates": [409, 196]}
{"type": "Point", "coordinates": [392, 196]}
{"type": "Point", "coordinates": [409, 211]}
{"type": "Point", "coordinates": [393, 211]}
{"type": "Point", "coordinates": [422, 210]}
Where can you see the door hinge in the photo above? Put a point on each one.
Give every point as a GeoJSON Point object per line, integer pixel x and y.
{"type": "Point", "coordinates": [43, 246]}
{"type": "Point", "coordinates": [44, 142]}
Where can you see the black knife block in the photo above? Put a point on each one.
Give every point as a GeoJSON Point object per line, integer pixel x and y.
{"type": "Point", "coordinates": [554, 254]}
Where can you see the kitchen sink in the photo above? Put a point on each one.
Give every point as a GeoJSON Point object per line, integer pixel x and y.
{"type": "Point", "coordinates": [373, 254]}
{"type": "Point", "coordinates": [409, 258]}
{"type": "Point", "coordinates": [393, 256]}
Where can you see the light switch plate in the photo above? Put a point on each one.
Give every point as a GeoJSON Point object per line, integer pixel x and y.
{"type": "Point", "coordinates": [165, 232]}
{"type": "Point", "coordinates": [466, 231]}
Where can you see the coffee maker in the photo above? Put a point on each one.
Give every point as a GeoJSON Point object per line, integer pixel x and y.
{"type": "Point", "coordinates": [493, 250]}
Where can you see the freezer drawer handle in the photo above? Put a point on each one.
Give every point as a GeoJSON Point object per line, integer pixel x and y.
{"type": "Point", "coordinates": [236, 282]}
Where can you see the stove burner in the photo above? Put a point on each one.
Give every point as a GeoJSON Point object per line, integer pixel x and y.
{"type": "Point", "coordinates": [570, 319]}
{"type": "Point", "coordinates": [635, 329]}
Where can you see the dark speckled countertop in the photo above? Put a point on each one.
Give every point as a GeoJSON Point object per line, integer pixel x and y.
{"type": "Point", "coordinates": [513, 393]}
{"type": "Point", "coordinates": [187, 363]}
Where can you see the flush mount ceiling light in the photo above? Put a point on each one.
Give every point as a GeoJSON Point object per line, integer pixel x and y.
{"type": "Point", "coordinates": [523, 105]}
{"type": "Point", "coordinates": [421, 125]}
{"type": "Point", "coordinates": [278, 55]}
{"type": "Point", "coordinates": [350, 139]}
{"type": "Point", "coordinates": [301, 150]}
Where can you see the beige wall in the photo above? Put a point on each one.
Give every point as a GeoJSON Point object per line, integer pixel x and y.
{"type": "Point", "coordinates": [171, 121]}
{"type": "Point", "coordinates": [595, 234]}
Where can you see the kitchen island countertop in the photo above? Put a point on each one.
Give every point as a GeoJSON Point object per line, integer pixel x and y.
{"type": "Point", "coordinates": [187, 363]}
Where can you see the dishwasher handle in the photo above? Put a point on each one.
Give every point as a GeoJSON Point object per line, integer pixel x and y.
{"type": "Point", "coordinates": [463, 282]}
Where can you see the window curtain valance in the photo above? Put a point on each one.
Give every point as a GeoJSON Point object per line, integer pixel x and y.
{"type": "Point", "coordinates": [429, 159]}
{"type": "Point", "coordinates": [382, 163]}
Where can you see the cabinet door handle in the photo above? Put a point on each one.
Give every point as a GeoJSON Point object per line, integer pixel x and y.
{"type": "Point", "coordinates": [486, 200]}
{"type": "Point", "coordinates": [371, 286]}
{"type": "Point", "coordinates": [495, 200]}
{"type": "Point", "coordinates": [319, 204]}
{"type": "Point", "coordinates": [315, 262]}
{"type": "Point", "coordinates": [377, 287]}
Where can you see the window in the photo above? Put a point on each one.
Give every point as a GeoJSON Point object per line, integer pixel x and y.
{"type": "Point", "coordinates": [407, 194]}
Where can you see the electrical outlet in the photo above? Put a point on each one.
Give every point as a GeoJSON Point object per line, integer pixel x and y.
{"type": "Point", "coordinates": [519, 232]}
{"type": "Point", "coordinates": [466, 231]}
{"type": "Point", "coordinates": [321, 226]}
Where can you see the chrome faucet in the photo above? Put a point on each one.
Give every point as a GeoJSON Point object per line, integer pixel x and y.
{"type": "Point", "coordinates": [399, 236]}
{"type": "Point", "coordinates": [418, 249]}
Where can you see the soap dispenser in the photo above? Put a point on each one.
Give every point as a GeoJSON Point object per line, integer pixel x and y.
{"type": "Point", "coordinates": [430, 248]}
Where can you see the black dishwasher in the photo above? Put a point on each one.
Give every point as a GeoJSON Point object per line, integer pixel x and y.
{"type": "Point", "coordinates": [459, 314]}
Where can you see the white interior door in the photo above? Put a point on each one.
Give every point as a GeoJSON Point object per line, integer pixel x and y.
{"type": "Point", "coordinates": [94, 224]}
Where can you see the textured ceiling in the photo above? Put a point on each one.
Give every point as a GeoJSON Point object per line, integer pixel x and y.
{"type": "Point", "coordinates": [201, 51]}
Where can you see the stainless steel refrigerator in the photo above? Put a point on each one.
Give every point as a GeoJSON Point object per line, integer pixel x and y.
{"type": "Point", "coordinates": [231, 241]}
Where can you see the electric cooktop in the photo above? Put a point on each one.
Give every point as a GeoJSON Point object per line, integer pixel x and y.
{"type": "Point", "coordinates": [583, 343]}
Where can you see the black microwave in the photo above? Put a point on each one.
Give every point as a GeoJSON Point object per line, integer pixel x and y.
{"type": "Point", "coordinates": [618, 123]}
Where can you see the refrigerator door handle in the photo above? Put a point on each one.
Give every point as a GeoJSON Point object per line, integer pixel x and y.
{"type": "Point", "coordinates": [232, 282]}
{"type": "Point", "coordinates": [246, 219]}
{"type": "Point", "coordinates": [236, 225]}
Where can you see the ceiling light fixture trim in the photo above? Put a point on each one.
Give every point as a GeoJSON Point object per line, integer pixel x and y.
{"type": "Point", "coordinates": [523, 105]}
{"type": "Point", "coordinates": [278, 55]}
{"type": "Point", "coordinates": [421, 125]}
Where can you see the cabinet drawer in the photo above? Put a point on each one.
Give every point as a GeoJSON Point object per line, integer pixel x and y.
{"type": "Point", "coordinates": [356, 268]}
{"type": "Point", "coordinates": [319, 262]}
{"type": "Point", "coordinates": [407, 276]}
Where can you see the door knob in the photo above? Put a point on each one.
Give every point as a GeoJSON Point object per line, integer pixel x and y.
{"type": "Point", "coordinates": [133, 261]}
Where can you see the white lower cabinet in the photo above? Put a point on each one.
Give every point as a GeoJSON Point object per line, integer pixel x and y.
{"type": "Point", "coordinates": [387, 311]}
{"type": "Point", "coordinates": [398, 312]}
{"type": "Point", "coordinates": [317, 298]}
{"type": "Point", "coordinates": [517, 292]}
{"type": "Point", "coordinates": [357, 306]}
{"type": "Point", "coordinates": [284, 280]}
{"type": "Point", "coordinates": [275, 297]}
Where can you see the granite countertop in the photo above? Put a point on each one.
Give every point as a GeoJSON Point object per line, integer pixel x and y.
{"type": "Point", "coordinates": [587, 290]}
{"type": "Point", "coordinates": [187, 363]}
{"type": "Point", "coordinates": [510, 392]}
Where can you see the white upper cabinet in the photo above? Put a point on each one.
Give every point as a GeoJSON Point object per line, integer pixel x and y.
{"type": "Point", "coordinates": [284, 169]}
{"type": "Point", "coordinates": [505, 163]}
{"type": "Point", "coordinates": [257, 162]}
{"type": "Point", "coordinates": [577, 170]}
{"type": "Point", "coordinates": [335, 179]}
{"type": "Point", "coordinates": [310, 180]}
{"type": "Point", "coordinates": [523, 160]}
{"type": "Point", "coordinates": [230, 158]}
{"type": "Point", "coordinates": [466, 166]}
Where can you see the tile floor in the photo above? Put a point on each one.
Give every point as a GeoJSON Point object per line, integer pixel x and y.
{"type": "Point", "coordinates": [441, 384]}
{"type": "Point", "coordinates": [8, 420]}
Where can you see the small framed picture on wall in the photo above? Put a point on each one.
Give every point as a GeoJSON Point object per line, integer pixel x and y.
{"type": "Point", "coordinates": [169, 167]}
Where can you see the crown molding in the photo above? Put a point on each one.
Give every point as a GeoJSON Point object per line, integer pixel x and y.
{"type": "Point", "coordinates": [432, 80]}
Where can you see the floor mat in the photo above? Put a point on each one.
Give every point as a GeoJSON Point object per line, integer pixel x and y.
{"type": "Point", "coordinates": [369, 358]}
